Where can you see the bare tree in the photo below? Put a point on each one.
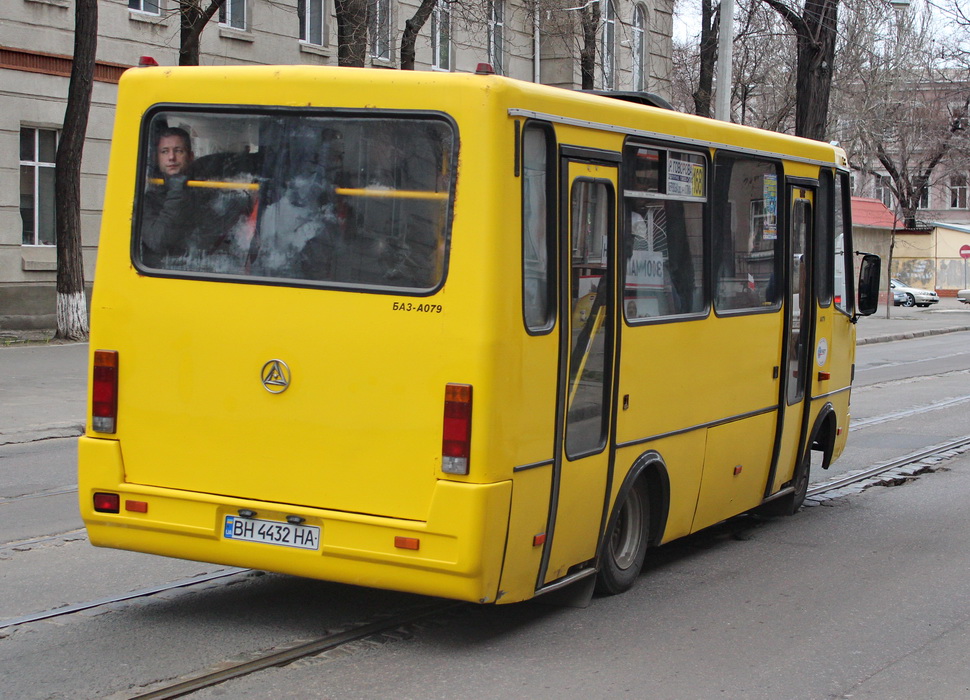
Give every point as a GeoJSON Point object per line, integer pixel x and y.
{"type": "Point", "coordinates": [708, 58]}
{"type": "Point", "coordinates": [351, 32]}
{"type": "Point", "coordinates": [72, 315]}
{"type": "Point", "coordinates": [815, 30]}
{"type": "Point", "coordinates": [904, 107]}
{"type": "Point", "coordinates": [412, 27]}
{"type": "Point", "coordinates": [194, 15]}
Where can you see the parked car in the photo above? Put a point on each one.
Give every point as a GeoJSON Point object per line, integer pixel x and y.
{"type": "Point", "coordinates": [913, 296]}
{"type": "Point", "coordinates": [964, 296]}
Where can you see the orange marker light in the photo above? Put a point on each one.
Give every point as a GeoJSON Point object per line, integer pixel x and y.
{"type": "Point", "coordinates": [407, 543]}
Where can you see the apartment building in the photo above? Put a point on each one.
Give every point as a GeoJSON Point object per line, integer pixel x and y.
{"type": "Point", "coordinates": [535, 40]}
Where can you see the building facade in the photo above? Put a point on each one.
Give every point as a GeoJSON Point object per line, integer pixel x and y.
{"type": "Point", "coordinates": [534, 40]}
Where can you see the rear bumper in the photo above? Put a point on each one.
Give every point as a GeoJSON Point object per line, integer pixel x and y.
{"type": "Point", "coordinates": [459, 556]}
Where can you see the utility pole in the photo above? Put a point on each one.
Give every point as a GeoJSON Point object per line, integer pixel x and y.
{"type": "Point", "coordinates": [725, 52]}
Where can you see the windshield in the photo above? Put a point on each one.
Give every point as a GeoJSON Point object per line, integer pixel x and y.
{"type": "Point", "coordinates": [301, 198]}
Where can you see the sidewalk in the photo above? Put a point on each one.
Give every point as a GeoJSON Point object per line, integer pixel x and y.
{"type": "Point", "coordinates": [44, 383]}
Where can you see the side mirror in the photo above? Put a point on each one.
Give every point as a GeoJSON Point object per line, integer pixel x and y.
{"type": "Point", "coordinates": [869, 284]}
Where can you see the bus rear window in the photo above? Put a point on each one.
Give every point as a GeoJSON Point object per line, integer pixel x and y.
{"type": "Point", "coordinates": [335, 200]}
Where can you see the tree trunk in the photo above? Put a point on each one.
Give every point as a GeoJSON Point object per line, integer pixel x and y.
{"type": "Point", "coordinates": [412, 28]}
{"type": "Point", "coordinates": [705, 79]}
{"type": "Point", "coordinates": [590, 15]}
{"type": "Point", "coordinates": [815, 31]}
{"type": "Point", "coordinates": [192, 20]}
{"type": "Point", "coordinates": [351, 32]}
{"type": "Point", "coordinates": [72, 318]}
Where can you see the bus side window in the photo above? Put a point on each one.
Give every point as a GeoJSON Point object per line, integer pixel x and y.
{"type": "Point", "coordinates": [538, 239]}
{"type": "Point", "coordinates": [842, 258]}
{"type": "Point", "coordinates": [664, 201]}
{"type": "Point", "coordinates": [745, 233]}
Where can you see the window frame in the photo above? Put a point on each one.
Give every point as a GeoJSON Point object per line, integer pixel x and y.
{"type": "Point", "coordinates": [779, 269]}
{"type": "Point", "coordinates": [496, 36]}
{"type": "Point", "coordinates": [638, 45]}
{"type": "Point", "coordinates": [305, 14]}
{"type": "Point", "coordinates": [550, 189]}
{"type": "Point", "coordinates": [441, 45]}
{"type": "Point", "coordinates": [959, 193]}
{"type": "Point", "coordinates": [146, 154]}
{"type": "Point", "coordinates": [36, 165]}
{"type": "Point", "coordinates": [228, 16]}
{"type": "Point", "coordinates": [379, 26]}
{"type": "Point", "coordinates": [608, 44]}
{"type": "Point", "coordinates": [139, 6]}
{"type": "Point", "coordinates": [661, 195]}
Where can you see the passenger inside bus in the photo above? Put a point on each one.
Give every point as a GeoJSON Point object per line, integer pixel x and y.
{"type": "Point", "coordinates": [183, 218]}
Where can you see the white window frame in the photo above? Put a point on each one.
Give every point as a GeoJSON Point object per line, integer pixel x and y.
{"type": "Point", "coordinates": [233, 14]}
{"type": "Point", "coordinates": [883, 192]}
{"type": "Point", "coordinates": [313, 17]}
{"type": "Point", "coordinates": [638, 42]}
{"type": "Point", "coordinates": [36, 165]}
{"type": "Point", "coordinates": [959, 192]}
{"type": "Point", "coordinates": [380, 29]}
{"type": "Point", "coordinates": [148, 7]}
{"type": "Point", "coordinates": [441, 46]}
{"type": "Point", "coordinates": [496, 35]}
{"type": "Point", "coordinates": [924, 198]}
{"type": "Point", "coordinates": [608, 43]}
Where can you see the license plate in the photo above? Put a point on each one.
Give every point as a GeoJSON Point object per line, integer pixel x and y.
{"type": "Point", "coordinates": [272, 532]}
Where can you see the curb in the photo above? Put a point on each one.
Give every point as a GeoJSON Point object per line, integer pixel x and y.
{"type": "Point", "coordinates": [35, 433]}
{"type": "Point", "coordinates": [911, 334]}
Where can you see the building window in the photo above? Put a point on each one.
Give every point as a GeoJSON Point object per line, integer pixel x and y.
{"type": "Point", "coordinates": [958, 192]}
{"type": "Point", "coordinates": [380, 29]}
{"type": "Point", "coordinates": [608, 14]}
{"type": "Point", "coordinates": [37, 150]}
{"type": "Point", "coordinates": [638, 40]}
{"type": "Point", "coordinates": [924, 198]}
{"type": "Point", "coordinates": [149, 6]}
{"type": "Point", "coordinates": [884, 191]}
{"type": "Point", "coordinates": [233, 14]}
{"type": "Point", "coordinates": [313, 28]}
{"type": "Point", "coordinates": [441, 36]}
{"type": "Point", "coordinates": [496, 35]}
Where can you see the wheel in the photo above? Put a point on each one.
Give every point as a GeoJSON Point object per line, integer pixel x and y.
{"type": "Point", "coordinates": [626, 544]}
{"type": "Point", "coordinates": [789, 505]}
{"type": "Point", "coordinates": [910, 301]}
{"type": "Point", "coordinates": [802, 475]}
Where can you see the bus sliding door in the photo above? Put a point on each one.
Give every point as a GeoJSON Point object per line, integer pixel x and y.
{"type": "Point", "coordinates": [586, 361]}
{"type": "Point", "coordinates": [797, 362]}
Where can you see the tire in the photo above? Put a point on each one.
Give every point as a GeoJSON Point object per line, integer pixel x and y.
{"type": "Point", "coordinates": [625, 546]}
{"type": "Point", "coordinates": [789, 505]}
{"type": "Point", "coordinates": [910, 301]}
{"type": "Point", "coordinates": [802, 476]}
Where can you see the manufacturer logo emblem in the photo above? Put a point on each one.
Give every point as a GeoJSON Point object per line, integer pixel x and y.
{"type": "Point", "coordinates": [275, 376]}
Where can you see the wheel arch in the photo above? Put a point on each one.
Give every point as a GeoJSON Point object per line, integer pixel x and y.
{"type": "Point", "coordinates": [823, 433]}
{"type": "Point", "coordinates": [651, 468]}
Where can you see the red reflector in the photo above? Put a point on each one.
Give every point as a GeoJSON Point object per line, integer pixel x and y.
{"type": "Point", "coordinates": [146, 62]}
{"type": "Point", "coordinates": [823, 376]}
{"type": "Point", "coordinates": [737, 469]}
{"type": "Point", "coordinates": [136, 506]}
{"type": "Point", "coordinates": [107, 502]}
{"type": "Point", "coordinates": [104, 391]}
{"type": "Point", "coordinates": [539, 540]}
{"type": "Point", "coordinates": [407, 543]}
{"type": "Point", "coordinates": [456, 429]}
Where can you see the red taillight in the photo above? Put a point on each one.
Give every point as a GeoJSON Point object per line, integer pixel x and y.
{"type": "Point", "coordinates": [457, 433]}
{"type": "Point", "coordinates": [104, 391]}
{"type": "Point", "coordinates": [107, 503]}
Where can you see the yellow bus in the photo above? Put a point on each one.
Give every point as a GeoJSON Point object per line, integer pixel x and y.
{"type": "Point", "coordinates": [457, 335]}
